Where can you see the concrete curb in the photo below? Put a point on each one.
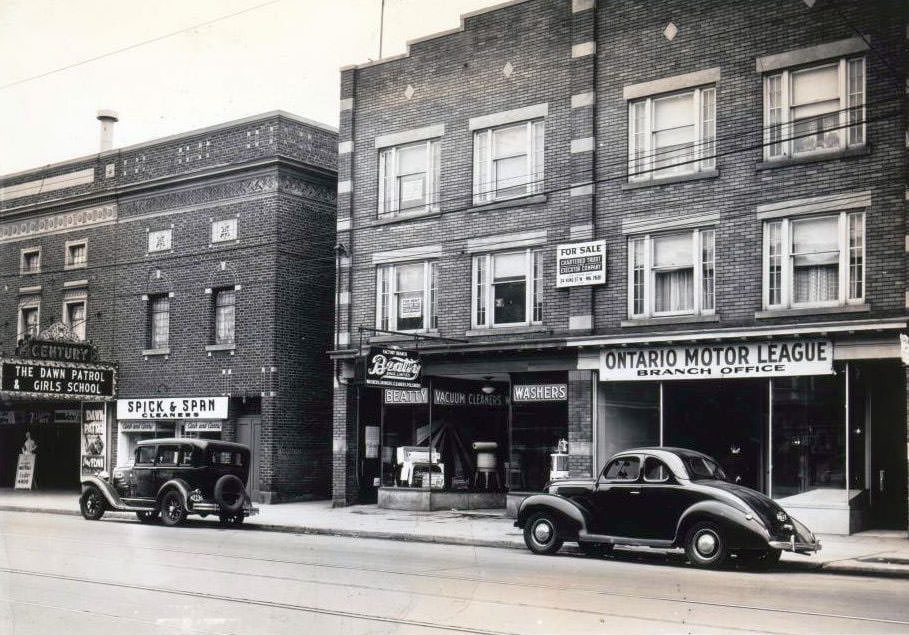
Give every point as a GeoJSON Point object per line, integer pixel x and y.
{"type": "Point", "coordinates": [842, 567]}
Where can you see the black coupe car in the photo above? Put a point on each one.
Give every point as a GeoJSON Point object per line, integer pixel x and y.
{"type": "Point", "coordinates": [663, 498]}
{"type": "Point", "coordinates": [172, 478]}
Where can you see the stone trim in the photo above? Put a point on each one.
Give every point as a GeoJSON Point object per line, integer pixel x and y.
{"type": "Point", "coordinates": [581, 190]}
{"type": "Point", "coordinates": [577, 6]}
{"type": "Point", "coordinates": [815, 204]}
{"type": "Point", "coordinates": [583, 99]}
{"type": "Point", "coordinates": [344, 298]}
{"type": "Point", "coordinates": [581, 232]}
{"type": "Point", "coordinates": [57, 223]}
{"type": "Point", "coordinates": [585, 144]}
{"type": "Point", "coordinates": [526, 113]}
{"type": "Point", "coordinates": [343, 339]}
{"type": "Point", "coordinates": [407, 136]}
{"type": "Point", "coordinates": [672, 222]}
{"type": "Point", "coordinates": [818, 310]}
{"type": "Point", "coordinates": [344, 187]}
{"type": "Point", "coordinates": [670, 319]}
{"type": "Point", "coordinates": [669, 84]}
{"type": "Point", "coordinates": [507, 241]}
{"type": "Point", "coordinates": [343, 224]}
{"type": "Point", "coordinates": [422, 252]}
{"type": "Point", "coordinates": [345, 147]}
{"type": "Point", "coordinates": [50, 184]}
{"type": "Point", "coordinates": [810, 54]}
{"type": "Point", "coordinates": [73, 284]}
{"type": "Point", "coordinates": [30, 290]}
{"type": "Point", "coordinates": [507, 330]}
{"type": "Point", "coordinates": [347, 104]}
{"type": "Point", "coordinates": [579, 322]}
{"type": "Point", "coordinates": [584, 49]}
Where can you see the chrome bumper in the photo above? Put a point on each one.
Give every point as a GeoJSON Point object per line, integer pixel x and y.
{"type": "Point", "coordinates": [214, 508]}
{"type": "Point", "coordinates": [796, 547]}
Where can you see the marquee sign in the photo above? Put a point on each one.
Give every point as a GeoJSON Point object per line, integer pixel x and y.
{"type": "Point", "coordinates": [393, 368]}
{"type": "Point", "coordinates": [581, 264]}
{"type": "Point", "coordinates": [57, 343]}
{"type": "Point", "coordinates": [172, 408]}
{"type": "Point", "coordinates": [57, 380]}
{"type": "Point", "coordinates": [712, 361]}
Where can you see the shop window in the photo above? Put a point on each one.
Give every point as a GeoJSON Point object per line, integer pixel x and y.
{"type": "Point", "coordinates": [672, 274]}
{"type": "Point", "coordinates": [224, 315]}
{"type": "Point", "coordinates": [508, 161]}
{"type": "Point", "coordinates": [158, 321]}
{"type": "Point", "coordinates": [628, 416]}
{"type": "Point", "coordinates": [409, 178]}
{"type": "Point", "coordinates": [671, 135]}
{"type": "Point", "coordinates": [168, 455]}
{"type": "Point", "coordinates": [655, 471]}
{"type": "Point", "coordinates": [76, 256]}
{"type": "Point", "coordinates": [75, 317]}
{"type": "Point", "coordinates": [623, 469]}
{"type": "Point", "coordinates": [507, 289]}
{"type": "Point", "coordinates": [145, 455]}
{"type": "Point", "coordinates": [29, 321]}
{"type": "Point", "coordinates": [30, 260]}
{"type": "Point", "coordinates": [406, 296]}
{"type": "Point", "coordinates": [815, 109]}
{"type": "Point", "coordinates": [815, 261]}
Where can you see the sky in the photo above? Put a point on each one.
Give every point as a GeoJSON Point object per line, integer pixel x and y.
{"type": "Point", "coordinates": [268, 55]}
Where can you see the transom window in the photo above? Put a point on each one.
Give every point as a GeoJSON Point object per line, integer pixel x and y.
{"type": "Point", "coordinates": [814, 261]}
{"type": "Point", "coordinates": [406, 296]}
{"type": "Point", "coordinates": [225, 315]}
{"type": "Point", "coordinates": [158, 321]}
{"type": "Point", "coordinates": [409, 178]}
{"type": "Point", "coordinates": [30, 260]}
{"type": "Point", "coordinates": [508, 161]}
{"type": "Point", "coordinates": [507, 288]}
{"type": "Point", "coordinates": [672, 134]}
{"type": "Point", "coordinates": [814, 109]}
{"type": "Point", "coordinates": [672, 274]}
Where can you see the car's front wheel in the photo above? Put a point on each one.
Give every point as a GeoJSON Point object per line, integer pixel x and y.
{"type": "Point", "coordinates": [92, 503]}
{"type": "Point", "coordinates": [541, 534]}
{"type": "Point", "coordinates": [705, 545]}
{"type": "Point", "coordinates": [173, 510]}
{"type": "Point", "coordinates": [148, 517]}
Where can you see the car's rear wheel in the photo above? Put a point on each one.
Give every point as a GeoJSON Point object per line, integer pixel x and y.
{"type": "Point", "coordinates": [148, 517]}
{"type": "Point", "coordinates": [760, 560]}
{"type": "Point", "coordinates": [541, 534]}
{"type": "Point", "coordinates": [92, 503]}
{"type": "Point", "coordinates": [594, 549]}
{"type": "Point", "coordinates": [229, 494]}
{"type": "Point", "coordinates": [173, 510]}
{"type": "Point", "coordinates": [705, 545]}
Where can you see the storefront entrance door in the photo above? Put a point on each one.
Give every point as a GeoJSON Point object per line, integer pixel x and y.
{"type": "Point", "coordinates": [248, 434]}
{"type": "Point", "coordinates": [886, 414]}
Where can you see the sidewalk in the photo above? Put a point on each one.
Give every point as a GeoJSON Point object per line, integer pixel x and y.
{"type": "Point", "coordinates": [869, 553]}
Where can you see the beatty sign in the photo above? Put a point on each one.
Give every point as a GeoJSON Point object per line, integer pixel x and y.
{"type": "Point", "coordinates": [172, 408]}
{"type": "Point", "coordinates": [716, 361]}
{"type": "Point", "coordinates": [57, 380]}
{"type": "Point", "coordinates": [393, 368]}
{"type": "Point", "coordinates": [581, 264]}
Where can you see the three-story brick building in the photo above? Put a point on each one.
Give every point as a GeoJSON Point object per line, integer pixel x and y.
{"type": "Point", "coordinates": [624, 224]}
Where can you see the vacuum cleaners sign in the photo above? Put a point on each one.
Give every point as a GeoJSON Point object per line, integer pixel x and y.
{"type": "Point", "coordinates": [714, 361]}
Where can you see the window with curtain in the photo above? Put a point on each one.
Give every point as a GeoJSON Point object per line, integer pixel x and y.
{"type": "Point", "coordinates": [74, 314]}
{"type": "Point", "coordinates": [159, 321]}
{"type": "Point", "coordinates": [672, 134]}
{"type": "Point", "coordinates": [814, 261]}
{"type": "Point", "coordinates": [508, 288]}
{"type": "Point", "coordinates": [814, 109]}
{"type": "Point", "coordinates": [672, 273]}
{"type": "Point", "coordinates": [29, 321]}
{"type": "Point", "coordinates": [508, 161]}
{"type": "Point", "coordinates": [31, 261]}
{"type": "Point", "coordinates": [406, 296]}
{"type": "Point", "coordinates": [225, 316]}
{"type": "Point", "coordinates": [76, 254]}
{"type": "Point", "coordinates": [409, 178]}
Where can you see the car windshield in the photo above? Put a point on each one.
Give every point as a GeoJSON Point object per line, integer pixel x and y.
{"type": "Point", "coordinates": [703, 469]}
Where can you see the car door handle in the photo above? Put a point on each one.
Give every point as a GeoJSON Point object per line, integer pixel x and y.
{"type": "Point", "coordinates": [634, 492]}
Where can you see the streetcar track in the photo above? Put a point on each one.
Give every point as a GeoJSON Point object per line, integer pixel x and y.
{"type": "Point", "coordinates": [458, 578]}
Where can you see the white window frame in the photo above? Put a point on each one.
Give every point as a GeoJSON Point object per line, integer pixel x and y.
{"type": "Point", "coordinates": [786, 282]}
{"type": "Point", "coordinates": [787, 143]}
{"type": "Point", "coordinates": [23, 306]}
{"type": "Point", "coordinates": [83, 300]}
{"type": "Point", "coordinates": [150, 320]}
{"type": "Point", "coordinates": [430, 295]}
{"type": "Point", "coordinates": [22, 253]}
{"type": "Point", "coordinates": [650, 274]}
{"type": "Point", "coordinates": [704, 158]}
{"type": "Point", "coordinates": [484, 172]}
{"type": "Point", "coordinates": [169, 231]}
{"type": "Point", "coordinates": [68, 261]}
{"type": "Point", "coordinates": [389, 155]}
{"type": "Point", "coordinates": [487, 294]}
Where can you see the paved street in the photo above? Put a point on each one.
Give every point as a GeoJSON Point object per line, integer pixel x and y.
{"type": "Point", "coordinates": [61, 574]}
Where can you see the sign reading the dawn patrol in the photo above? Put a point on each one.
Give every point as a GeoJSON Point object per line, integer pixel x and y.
{"type": "Point", "coordinates": [30, 378]}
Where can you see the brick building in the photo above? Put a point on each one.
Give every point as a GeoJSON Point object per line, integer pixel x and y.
{"type": "Point", "coordinates": [202, 266]}
{"type": "Point", "coordinates": [739, 169]}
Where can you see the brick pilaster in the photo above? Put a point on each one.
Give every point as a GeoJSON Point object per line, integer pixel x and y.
{"type": "Point", "coordinates": [580, 423]}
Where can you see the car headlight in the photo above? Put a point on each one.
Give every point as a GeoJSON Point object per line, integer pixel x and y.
{"type": "Point", "coordinates": [104, 475]}
{"type": "Point", "coordinates": [781, 516]}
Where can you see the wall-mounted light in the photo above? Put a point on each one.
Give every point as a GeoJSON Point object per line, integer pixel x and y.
{"type": "Point", "coordinates": [488, 388]}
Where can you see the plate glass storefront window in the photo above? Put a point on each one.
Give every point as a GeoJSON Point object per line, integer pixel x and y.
{"type": "Point", "coordinates": [629, 415]}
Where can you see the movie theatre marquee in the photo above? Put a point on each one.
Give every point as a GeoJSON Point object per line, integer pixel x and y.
{"type": "Point", "coordinates": [716, 361]}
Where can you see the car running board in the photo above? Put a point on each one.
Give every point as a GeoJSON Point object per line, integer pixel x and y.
{"type": "Point", "coordinates": [584, 536]}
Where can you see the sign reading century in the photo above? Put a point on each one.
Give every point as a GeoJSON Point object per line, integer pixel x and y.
{"type": "Point", "coordinates": [54, 379]}
{"type": "Point", "coordinates": [705, 361]}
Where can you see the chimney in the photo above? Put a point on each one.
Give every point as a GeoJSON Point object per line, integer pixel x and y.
{"type": "Point", "coordinates": [107, 118]}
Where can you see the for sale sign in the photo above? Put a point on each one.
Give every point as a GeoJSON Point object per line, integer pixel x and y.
{"type": "Point", "coordinates": [581, 264]}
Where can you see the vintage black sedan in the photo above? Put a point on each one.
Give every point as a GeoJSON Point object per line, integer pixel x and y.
{"type": "Point", "coordinates": [663, 498]}
{"type": "Point", "coordinates": [172, 478]}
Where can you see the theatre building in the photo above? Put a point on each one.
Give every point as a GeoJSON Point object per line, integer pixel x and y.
{"type": "Point", "coordinates": [598, 226]}
{"type": "Point", "coordinates": [201, 266]}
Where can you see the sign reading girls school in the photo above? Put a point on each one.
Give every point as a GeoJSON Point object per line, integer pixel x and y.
{"type": "Point", "coordinates": [717, 361]}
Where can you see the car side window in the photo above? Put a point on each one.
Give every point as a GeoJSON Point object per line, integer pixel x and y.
{"type": "Point", "coordinates": [167, 454]}
{"type": "Point", "coordinates": [145, 455]}
{"type": "Point", "coordinates": [626, 468]}
{"type": "Point", "coordinates": [186, 457]}
{"type": "Point", "coordinates": [655, 471]}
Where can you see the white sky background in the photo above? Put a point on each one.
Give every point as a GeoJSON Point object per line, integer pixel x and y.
{"type": "Point", "coordinates": [285, 55]}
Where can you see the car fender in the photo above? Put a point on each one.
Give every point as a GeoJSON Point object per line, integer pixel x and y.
{"type": "Point", "coordinates": [573, 515]}
{"type": "Point", "coordinates": [181, 486]}
{"type": "Point", "coordinates": [741, 533]}
{"type": "Point", "coordinates": [107, 490]}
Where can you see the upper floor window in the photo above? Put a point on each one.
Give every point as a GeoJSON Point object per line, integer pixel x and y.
{"type": "Point", "coordinates": [76, 254]}
{"type": "Point", "coordinates": [29, 320]}
{"type": "Point", "coordinates": [672, 274]}
{"type": "Point", "coordinates": [30, 260]}
{"type": "Point", "coordinates": [409, 178]}
{"type": "Point", "coordinates": [814, 109]}
{"type": "Point", "coordinates": [74, 316]}
{"type": "Point", "coordinates": [158, 321]}
{"type": "Point", "coordinates": [406, 296]}
{"type": "Point", "coordinates": [670, 135]}
{"type": "Point", "coordinates": [815, 261]}
{"type": "Point", "coordinates": [508, 161]}
{"type": "Point", "coordinates": [225, 315]}
{"type": "Point", "coordinates": [507, 288]}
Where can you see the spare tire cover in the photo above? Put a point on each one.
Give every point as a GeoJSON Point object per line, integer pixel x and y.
{"type": "Point", "coordinates": [228, 484]}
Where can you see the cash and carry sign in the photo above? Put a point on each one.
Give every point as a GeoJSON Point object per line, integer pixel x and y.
{"type": "Point", "coordinates": [581, 264]}
{"type": "Point", "coordinates": [715, 361]}
{"type": "Point", "coordinates": [393, 368]}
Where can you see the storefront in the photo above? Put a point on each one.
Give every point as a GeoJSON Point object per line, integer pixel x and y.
{"type": "Point", "coordinates": [811, 422]}
{"type": "Point", "coordinates": [54, 415]}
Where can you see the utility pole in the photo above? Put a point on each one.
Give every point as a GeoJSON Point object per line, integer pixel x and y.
{"type": "Point", "coordinates": [381, 26]}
